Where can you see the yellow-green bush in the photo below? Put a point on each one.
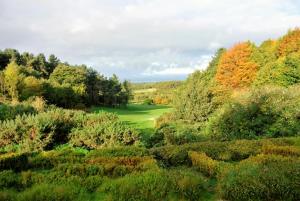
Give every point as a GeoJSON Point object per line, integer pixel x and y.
{"type": "Point", "coordinates": [203, 163]}
{"type": "Point", "coordinates": [262, 177]}
{"type": "Point", "coordinates": [281, 150]}
{"type": "Point", "coordinates": [156, 185]}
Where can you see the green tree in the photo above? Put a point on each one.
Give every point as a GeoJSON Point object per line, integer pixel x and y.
{"type": "Point", "coordinates": [195, 98]}
{"type": "Point", "coordinates": [52, 63]}
{"type": "Point", "coordinates": [32, 86]}
{"type": "Point", "coordinates": [13, 79]}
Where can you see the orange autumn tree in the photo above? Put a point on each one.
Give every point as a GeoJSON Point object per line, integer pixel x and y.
{"type": "Point", "coordinates": [290, 43]}
{"type": "Point", "coordinates": [236, 68]}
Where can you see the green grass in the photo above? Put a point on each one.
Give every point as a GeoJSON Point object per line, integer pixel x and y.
{"type": "Point", "coordinates": [140, 116]}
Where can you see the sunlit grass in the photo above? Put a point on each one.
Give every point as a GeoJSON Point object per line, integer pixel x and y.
{"type": "Point", "coordinates": [140, 116]}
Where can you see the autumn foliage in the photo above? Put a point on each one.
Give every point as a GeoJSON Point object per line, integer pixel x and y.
{"type": "Point", "coordinates": [236, 69]}
{"type": "Point", "coordinates": [290, 43]}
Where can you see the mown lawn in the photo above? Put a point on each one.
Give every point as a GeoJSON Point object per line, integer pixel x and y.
{"type": "Point", "coordinates": [140, 116]}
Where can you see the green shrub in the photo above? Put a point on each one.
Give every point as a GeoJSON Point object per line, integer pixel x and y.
{"type": "Point", "coordinates": [155, 185]}
{"type": "Point", "coordinates": [8, 112]}
{"type": "Point", "coordinates": [265, 112]}
{"type": "Point", "coordinates": [118, 152]}
{"type": "Point", "coordinates": [177, 134]}
{"type": "Point", "coordinates": [108, 134]}
{"type": "Point", "coordinates": [263, 177]}
{"type": "Point", "coordinates": [48, 192]}
{"type": "Point", "coordinates": [204, 164]}
{"type": "Point", "coordinates": [91, 183]}
{"type": "Point", "coordinates": [225, 151]}
{"type": "Point", "coordinates": [50, 159]}
{"type": "Point", "coordinates": [9, 179]}
{"type": "Point", "coordinates": [54, 127]}
{"type": "Point", "coordinates": [13, 161]}
{"type": "Point", "coordinates": [7, 195]}
{"type": "Point", "coordinates": [119, 166]}
{"type": "Point", "coordinates": [148, 101]}
{"type": "Point", "coordinates": [281, 150]}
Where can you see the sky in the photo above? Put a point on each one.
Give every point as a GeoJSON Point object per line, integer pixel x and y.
{"type": "Point", "coordinates": [141, 40]}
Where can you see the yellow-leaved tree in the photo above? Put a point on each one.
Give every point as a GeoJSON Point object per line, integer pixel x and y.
{"type": "Point", "coordinates": [236, 68]}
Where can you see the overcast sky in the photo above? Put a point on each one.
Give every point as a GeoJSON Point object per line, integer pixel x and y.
{"type": "Point", "coordinates": [141, 40]}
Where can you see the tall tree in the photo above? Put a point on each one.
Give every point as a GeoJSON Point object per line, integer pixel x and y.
{"type": "Point", "coordinates": [290, 43]}
{"type": "Point", "coordinates": [13, 79]}
{"type": "Point", "coordinates": [53, 62]}
{"type": "Point", "coordinates": [237, 68]}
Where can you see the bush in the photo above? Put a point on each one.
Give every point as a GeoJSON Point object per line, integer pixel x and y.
{"type": "Point", "coordinates": [263, 177]}
{"type": "Point", "coordinates": [119, 166]}
{"type": "Point", "coordinates": [225, 151]}
{"type": "Point", "coordinates": [54, 127]}
{"type": "Point", "coordinates": [8, 195]}
{"type": "Point", "coordinates": [204, 164]}
{"type": "Point", "coordinates": [8, 112]}
{"type": "Point", "coordinates": [266, 112]}
{"type": "Point", "coordinates": [9, 179]}
{"type": "Point", "coordinates": [107, 134]}
{"type": "Point", "coordinates": [48, 192]}
{"type": "Point", "coordinates": [281, 150]}
{"type": "Point", "coordinates": [13, 161]}
{"type": "Point", "coordinates": [148, 101]}
{"type": "Point", "coordinates": [169, 134]}
{"type": "Point", "coordinates": [155, 185]}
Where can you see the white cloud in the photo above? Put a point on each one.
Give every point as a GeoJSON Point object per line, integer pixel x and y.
{"type": "Point", "coordinates": [128, 36]}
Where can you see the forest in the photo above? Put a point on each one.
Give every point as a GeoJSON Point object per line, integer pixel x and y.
{"type": "Point", "coordinates": [229, 132]}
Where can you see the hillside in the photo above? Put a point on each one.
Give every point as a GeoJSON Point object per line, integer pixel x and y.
{"type": "Point", "coordinates": [68, 133]}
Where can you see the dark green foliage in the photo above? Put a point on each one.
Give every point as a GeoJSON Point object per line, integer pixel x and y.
{"type": "Point", "coordinates": [13, 161]}
{"type": "Point", "coordinates": [264, 177]}
{"type": "Point", "coordinates": [8, 112]}
{"type": "Point", "coordinates": [266, 112]}
{"type": "Point", "coordinates": [9, 179]}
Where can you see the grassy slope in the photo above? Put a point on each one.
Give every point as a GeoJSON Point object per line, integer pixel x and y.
{"type": "Point", "coordinates": [140, 116]}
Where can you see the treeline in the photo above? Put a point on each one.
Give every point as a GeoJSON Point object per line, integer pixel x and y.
{"type": "Point", "coordinates": [155, 92]}
{"type": "Point", "coordinates": [25, 75]}
{"type": "Point", "coordinates": [247, 91]}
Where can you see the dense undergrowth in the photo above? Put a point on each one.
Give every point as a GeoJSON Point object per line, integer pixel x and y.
{"type": "Point", "coordinates": [235, 170]}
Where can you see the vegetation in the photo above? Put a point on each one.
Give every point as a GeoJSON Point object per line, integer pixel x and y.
{"type": "Point", "coordinates": [24, 75]}
{"type": "Point", "coordinates": [161, 93]}
{"type": "Point", "coordinates": [234, 132]}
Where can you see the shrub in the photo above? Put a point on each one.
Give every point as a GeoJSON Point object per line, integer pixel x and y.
{"type": "Point", "coordinates": [107, 134]}
{"type": "Point", "coordinates": [13, 161]}
{"type": "Point", "coordinates": [54, 127]}
{"type": "Point", "coordinates": [118, 152]}
{"type": "Point", "coordinates": [174, 134]}
{"type": "Point", "coordinates": [8, 195]}
{"type": "Point", "coordinates": [8, 112]}
{"type": "Point", "coordinates": [204, 164]}
{"type": "Point", "coordinates": [266, 112]}
{"type": "Point", "coordinates": [148, 101]}
{"type": "Point", "coordinates": [226, 151]}
{"type": "Point", "coordinates": [263, 177]}
{"type": "Point", "coordinates": [155, 185]}
{"type": "Point", "coordinates": [50, 159]}
{"type": "Point", "coordinates": [119, 166]}
{"type": "Point", "coordinates": [48, 192]}
{"type": "Point", "coordinates": [9, 179]}
{"type": "Point", "coordinates": [281, 150]}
